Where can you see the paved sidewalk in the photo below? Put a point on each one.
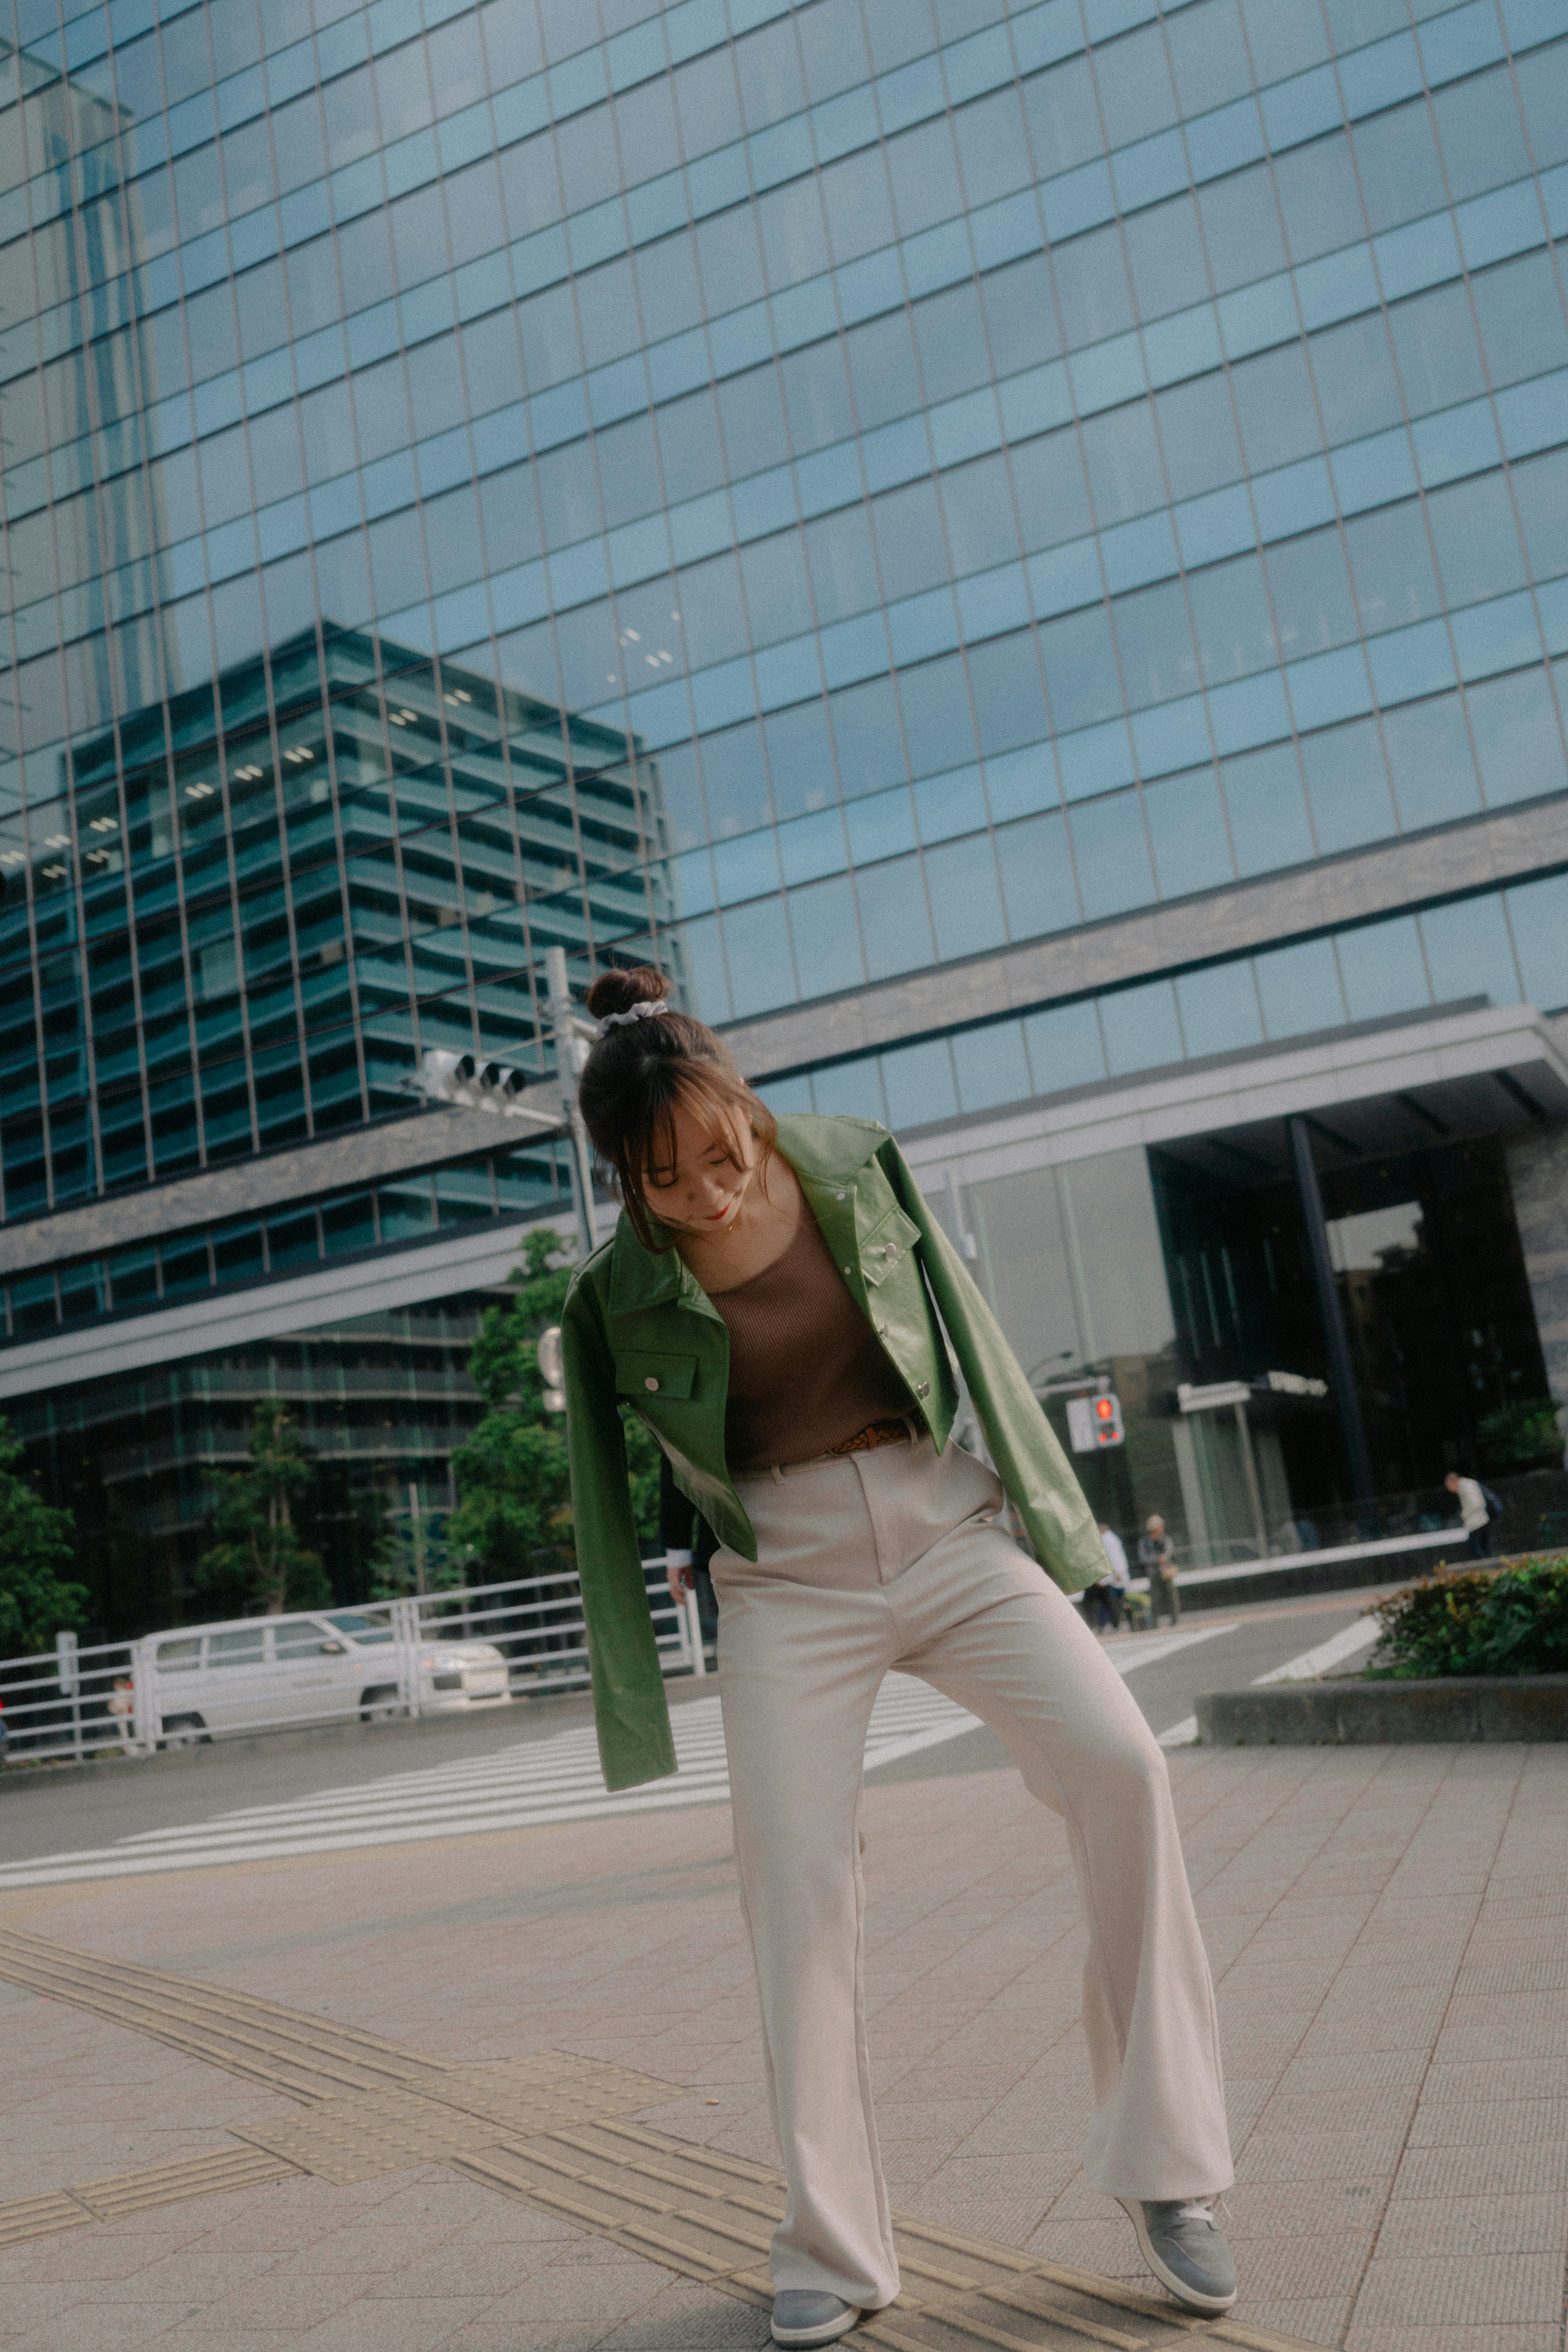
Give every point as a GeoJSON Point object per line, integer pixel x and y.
{"type": "Point", "coordinates": [1389, 1929]}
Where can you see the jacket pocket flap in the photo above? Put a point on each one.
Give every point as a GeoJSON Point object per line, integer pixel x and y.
{"type": "Point", "coordinates": [641, 1371]}
{"type": "Point", "coordinates": [887, 1246]}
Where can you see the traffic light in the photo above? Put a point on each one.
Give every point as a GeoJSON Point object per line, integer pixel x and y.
{"type": "Point", "coordinates": [482, 1086]}
{"type": "Point", "coordinates": [1094, 1422]}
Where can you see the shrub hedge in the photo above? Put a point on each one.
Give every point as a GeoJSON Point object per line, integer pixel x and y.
{"type": "Point", "coordinates": [1508, 1620]}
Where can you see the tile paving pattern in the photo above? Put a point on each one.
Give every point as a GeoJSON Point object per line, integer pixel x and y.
{"type": "Point", "coordinates": [1389, 1930]}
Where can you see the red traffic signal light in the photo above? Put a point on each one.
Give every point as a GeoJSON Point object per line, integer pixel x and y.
{"type": "Point", "coordinates": [1093, 1422]}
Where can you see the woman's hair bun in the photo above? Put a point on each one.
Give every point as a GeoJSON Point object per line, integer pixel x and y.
{"type": "Point", "coordinates": [618, 991]}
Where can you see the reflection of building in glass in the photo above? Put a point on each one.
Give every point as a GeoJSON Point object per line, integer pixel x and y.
{"type": "Point", "coordinates": [1073, 501]}
{"type": "Point", "coordinates": [77, 372]}
{"type": "Point", "coordinates": [275, 893]}
{"type": "Point", "coordinates": [259, 904]}
{"type": "Point", "coordinates": [380, 1401]}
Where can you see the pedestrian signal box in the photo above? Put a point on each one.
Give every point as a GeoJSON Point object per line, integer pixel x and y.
{"type": "Point", "coordinates": [1094, 1422]}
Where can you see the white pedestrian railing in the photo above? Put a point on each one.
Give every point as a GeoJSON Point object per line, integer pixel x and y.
{"type": "Point", "coordinates": [57, 1702]}
{"type": "Point", "coordinates": [317, 1666]}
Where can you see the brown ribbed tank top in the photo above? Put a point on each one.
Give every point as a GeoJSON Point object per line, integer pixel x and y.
{"type": "Point", "coordinates": [805, 1367]}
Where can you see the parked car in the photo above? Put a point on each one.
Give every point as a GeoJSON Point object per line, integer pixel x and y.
{"type": "Point", "coordinates": [273, 1671]}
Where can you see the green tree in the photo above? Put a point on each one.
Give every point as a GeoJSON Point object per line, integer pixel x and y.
{"type": "Point", "coordinates": [259, 1561]}
{"type": "Point", "coordinates": [1522, 1436]}
{"type": "Point", "coordinates": [405, 1560]}
{"type": "Point", "coordinates": [35, 1544]}
{"type": "Point", "coordinates": [514, 1490]}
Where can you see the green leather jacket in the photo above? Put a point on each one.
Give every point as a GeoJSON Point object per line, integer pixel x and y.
{"type": "Point", "coordinates": [638, 1332]}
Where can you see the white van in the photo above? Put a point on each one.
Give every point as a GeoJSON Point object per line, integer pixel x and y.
{"type": "Point", "coordinates": [257, 1671]}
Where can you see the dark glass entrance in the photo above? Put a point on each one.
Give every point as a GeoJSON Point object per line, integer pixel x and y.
{"type": "Point", "coordinates": [1436, 1302]}
{"type": "Point", "coordinates": [1431, 1286]}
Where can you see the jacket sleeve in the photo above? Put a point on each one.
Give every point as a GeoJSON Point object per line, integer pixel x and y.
{"type": "Point", "coordinates": [630, 1708]}
{"type": "Point", "coordinates": [677, 1516]}
{"type": "Point", "coordinates": [1032, 1465]}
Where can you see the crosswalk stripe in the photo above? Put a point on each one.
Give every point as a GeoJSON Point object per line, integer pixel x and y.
{"type": "Point", "coordinates": [535, 1784]}
{"type": "Point", "coordinates": [1339, 1646]}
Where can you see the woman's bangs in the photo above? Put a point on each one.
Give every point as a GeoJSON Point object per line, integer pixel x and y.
{"type": "Point", "coordinates": [649, 1145]}
{"type": "Point", "coordinates": [720, 1102]}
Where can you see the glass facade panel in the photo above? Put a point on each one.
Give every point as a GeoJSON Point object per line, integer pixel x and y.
{"type": "Point", "coordinates": [808, 494]}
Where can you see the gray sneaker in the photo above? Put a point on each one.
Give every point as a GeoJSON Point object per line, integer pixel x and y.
{"type": "Point", "coordinates": [1185, 2247]}
{"type": "Point", "coordinates": [802, 2317]}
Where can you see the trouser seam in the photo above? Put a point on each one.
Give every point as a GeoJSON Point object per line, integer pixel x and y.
{"type": "Point", "coordinates": [863, 2049]}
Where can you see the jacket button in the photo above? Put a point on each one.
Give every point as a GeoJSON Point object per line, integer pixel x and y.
{"type": "Point", "coordinates": [650, 1382]}
{"type": "Point", "coordinates": [891, 1252]}
{"type": "Point", "coordinates": [848, 1269]}
{"type": "Point", "coordinates": [840, 1196]}
{"type": "Point", "coordinates": [923, 1389]}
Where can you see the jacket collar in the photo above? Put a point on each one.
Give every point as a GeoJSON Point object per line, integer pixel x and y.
{"type": "Point", "coordinates": [821, 1151]}
{"type": "Point", "coordinates": [827, 1148]}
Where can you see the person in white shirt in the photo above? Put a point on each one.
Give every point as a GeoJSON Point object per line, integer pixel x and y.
{"type": "Point", "coordinates": [1474, 1516]}
{"type": "Point", "coordinates": [121, 1706]}
{"type": "Point", "coordinates": [1109, 1593]}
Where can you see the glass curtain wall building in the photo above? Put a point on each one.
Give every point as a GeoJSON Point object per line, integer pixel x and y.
{"type": "Point", "coordinates": [1022, 550]}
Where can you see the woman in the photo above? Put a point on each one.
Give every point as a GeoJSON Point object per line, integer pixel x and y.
{"type": "Point", "coordinates": [768, 1306]}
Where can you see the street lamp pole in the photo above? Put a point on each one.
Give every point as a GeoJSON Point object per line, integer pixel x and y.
{"type": "Point", "coordinates": [572, 1037]}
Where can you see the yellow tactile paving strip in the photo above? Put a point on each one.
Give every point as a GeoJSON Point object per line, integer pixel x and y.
{"type": "Point", "coordinates": [711, 2216]}
{"type": "Point", "coordinates": [136, 2192]}
{"type": "Point", "coordinates": [304, 2057]}
{"type": "Point", "coordinates": [374, 2132]}
{"type": "Point", "coordinates": [554, 2129]}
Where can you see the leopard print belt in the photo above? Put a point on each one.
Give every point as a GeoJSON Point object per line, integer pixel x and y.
{"type": "Point", "coordinates": [874, 1434]}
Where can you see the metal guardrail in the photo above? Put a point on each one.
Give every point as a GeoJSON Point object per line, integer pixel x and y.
{"type": "Point", "coordinates": [1325, 1556]}
{"type": "Point", "coordinates": [70, 1702]}
{"type": "Point", "coordinates": [57, 1701]}
{"type": "Point", "coordinates": [1411, 1511]}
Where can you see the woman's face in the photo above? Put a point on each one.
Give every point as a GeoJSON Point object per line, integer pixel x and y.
{"type": "Point", "coordinates": [702, 1193]}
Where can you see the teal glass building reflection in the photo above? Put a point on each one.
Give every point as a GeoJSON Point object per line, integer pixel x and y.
{"type": "Point", "coordinates": [1023, 550]}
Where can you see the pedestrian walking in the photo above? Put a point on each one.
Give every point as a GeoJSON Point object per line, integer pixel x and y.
{"type": "Point", "coordinates": [1157, 1558]}
{"type": "Point", "coordinates": [121, 1706]}
{"type": "Point", "coordinates": [1477, 1507]}
{"type": "Point", "coordinates": [1111, 1592]}
{"type": "Point", "coordinates": [768, 1306]}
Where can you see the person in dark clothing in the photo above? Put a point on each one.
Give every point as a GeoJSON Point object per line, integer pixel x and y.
{"type": "Point", "coordinates": [688, 1542]}
{"type": "Point", "coordinates": [1157, 1558]}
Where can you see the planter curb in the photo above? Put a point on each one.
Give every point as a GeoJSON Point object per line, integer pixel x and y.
{"type": "Point", "coordinates": [1356, 1713]}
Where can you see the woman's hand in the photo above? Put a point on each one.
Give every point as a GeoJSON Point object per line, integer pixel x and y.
{"type": "Point", "coordinates": [680, 1575]}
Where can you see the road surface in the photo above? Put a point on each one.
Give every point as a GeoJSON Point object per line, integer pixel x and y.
{"type": "Point", "coordinates": [351, 1788]}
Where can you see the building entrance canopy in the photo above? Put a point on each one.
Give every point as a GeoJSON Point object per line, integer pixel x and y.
{"type": "Point", "coordinates": [1300, 1270]}
{"type": "Point", "coordinates": [1467, 1069]}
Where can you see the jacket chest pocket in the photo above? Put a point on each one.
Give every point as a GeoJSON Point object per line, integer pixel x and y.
{"type": "Point", "coordinates": [644, 1374]}
{"type": "Point", "coordinates": [888, 1249]}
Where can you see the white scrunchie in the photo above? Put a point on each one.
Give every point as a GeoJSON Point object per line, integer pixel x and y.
{"type": "Point", "coordinates": [643, 1012]}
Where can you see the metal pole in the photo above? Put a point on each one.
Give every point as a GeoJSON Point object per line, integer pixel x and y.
{"type": "Point", "coordinates": [418, 1534]}
{"type": "Point", "coordinates": [407, 1634]}
{"type": "Point", "coordinates": [561, 1025]}
{"type": "Point", "coordinates": [67, 1679]}
{"type": "Point", "coordinates": [143, 1670]}
{"type": "Point", "coordinates": [1342, 1371]}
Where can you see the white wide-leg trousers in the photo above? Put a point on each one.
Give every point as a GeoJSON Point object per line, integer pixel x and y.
{"type": "Point", "coordinates": [894, 1559]}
